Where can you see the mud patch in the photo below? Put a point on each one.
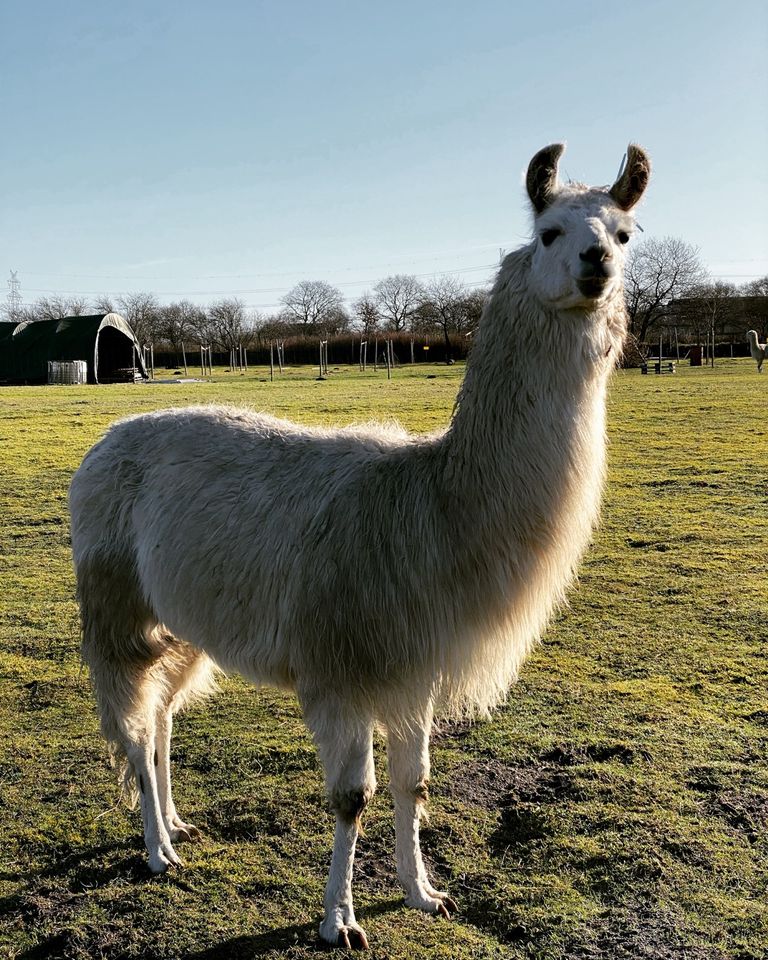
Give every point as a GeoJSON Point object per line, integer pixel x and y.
{"type": "Point", "coordinates": [642, 935]}
{"type": "Point", "coordinates": [493, 785]}
{"type": "Point", "coordinates": [451, 729]}
{"type": "Point", "coordinates": [520, 826]}
{"type": "Point", "coordinates": [594, 753]}
{"type": "Point", "coordinates": [746, 812]}
{"type": "Point", "coordinates": [758, 716]}
{"type": "Point", "coordinates": [375, 865]}
{"type": "Point", "coordinates": [722, 795]}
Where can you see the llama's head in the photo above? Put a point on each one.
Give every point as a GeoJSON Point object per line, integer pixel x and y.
{"type": "Point", "coordinates": [581, 233]}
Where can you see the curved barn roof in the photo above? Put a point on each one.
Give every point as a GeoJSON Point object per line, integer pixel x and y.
{"type": "Point", "coordinates": [105, 341]}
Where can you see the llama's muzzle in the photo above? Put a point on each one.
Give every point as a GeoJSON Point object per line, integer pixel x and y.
{"type": "Point", "coordinates": [597, 269]}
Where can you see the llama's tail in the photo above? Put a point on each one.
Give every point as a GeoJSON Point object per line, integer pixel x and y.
{"type": "Point", "coordinates": [138, 670]}
{"type": "Point", "coordinates": [118, 651]}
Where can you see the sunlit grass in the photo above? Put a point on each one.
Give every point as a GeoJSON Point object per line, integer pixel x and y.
{"type": "Point", "coordinates": [616, 807]}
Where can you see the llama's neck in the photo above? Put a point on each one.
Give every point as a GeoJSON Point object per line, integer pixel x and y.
{"type": "Point", "coordinates": [526, 445]}
{"type": "Point", "coordinates": [519, 475]}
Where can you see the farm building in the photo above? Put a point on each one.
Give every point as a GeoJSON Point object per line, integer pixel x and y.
{"type": "Point", "coordinates": [105, 342]}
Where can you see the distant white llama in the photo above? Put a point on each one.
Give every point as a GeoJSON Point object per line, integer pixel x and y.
{"type": "Point", "coordinates": [758, 350]}
{"type": "Point", "coordinates": [381, 576]}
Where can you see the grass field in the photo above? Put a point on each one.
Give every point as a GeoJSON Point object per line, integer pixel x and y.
{"type": "Point", "coordinates": [615, 808]}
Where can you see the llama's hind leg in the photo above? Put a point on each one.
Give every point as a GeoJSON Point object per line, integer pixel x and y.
{"type": "Point", "coordinates": [176, 827]}
{"type": "Point", "coordinates": [141, 750]}
{"type": "Point", "coordinates": [345, 743]}
{"type": "Point", "coordinates": [188, 675]}
{"type": "Point", "coordinates": [128, 692]}
{"type": "Point", "coordinates": [408, 756]}
{"type": "Point", "coordinates": [122, 647]}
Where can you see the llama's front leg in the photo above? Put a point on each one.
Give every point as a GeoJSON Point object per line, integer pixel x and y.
{"type": "Point", "coordinates": [345, 744]}
{"type": "Point", "coordinates": [339, 926]}
{"type": "Point", "coordinates": [408, 754]}
{"type": "Point", "coordinates": [176, 827]}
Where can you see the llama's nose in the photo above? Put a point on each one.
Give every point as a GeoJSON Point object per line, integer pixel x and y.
{"type": "Point", "coordinates": [597, 262]}
{"type": "Point", "coordinates": [595, 255]}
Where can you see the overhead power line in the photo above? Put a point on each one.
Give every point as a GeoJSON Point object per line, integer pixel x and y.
{"type": "Point", "coordinates": [250, 290]}
{"type": "Point", "coordinates": [301, 272]}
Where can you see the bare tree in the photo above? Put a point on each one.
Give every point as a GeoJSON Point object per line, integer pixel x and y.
{"type": "Point", "coordinates": [446, 296]}
{"type": "Point", "coordinates": [474, 304]}
{"type": "Point", "coordinates": [658, 271]}
{"type": "Point", "coordinates": [755, 288]}
{"type": "Point", "coordinates": [180, 322]}
{"type": "Point", "coordinates": [54, 308]}
{"type": "Point", "coordinates": [716, 296]}
{"type": "Point", "coordinates": [142, 311]}
{"type": "Point", "coordinates": [227, 322]}
{"type": "Point", "coordinates": [314, 303]}
{"type": "Point", "coordinates": [398, 298]}
{"type": "Point", "coordinates": [336, 321]}
{"type": "Point", "coordinates": [273, 326]}
{"type": "Point", "coordinates": [104, 304]}
{"type": "Point", "coordinates": [366, 313]}
{"type": "Point", "coordinates": [715, 299]}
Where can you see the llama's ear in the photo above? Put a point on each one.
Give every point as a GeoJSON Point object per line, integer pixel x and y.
{"type": "Point", "coordinates": [541, 179]}
{"type": "Point", "coordinates": [633, 179]}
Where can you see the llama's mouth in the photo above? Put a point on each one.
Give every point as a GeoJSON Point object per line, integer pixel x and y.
{"type": "Point", "coordinates": [593, 287]}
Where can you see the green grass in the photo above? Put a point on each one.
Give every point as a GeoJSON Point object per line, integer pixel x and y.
{"type": "Point", "coordinates": [615, 808]}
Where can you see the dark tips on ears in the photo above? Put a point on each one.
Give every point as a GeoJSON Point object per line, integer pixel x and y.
{"type": "Point", "coordinates": [541, 179]}
{"type": "Point", "coordinates": [633, 179]}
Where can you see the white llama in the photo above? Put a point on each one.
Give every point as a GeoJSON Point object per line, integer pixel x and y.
{"type": "Point", "coordinates": [758, 350]}
{"type": "Point", "coordinates": [381, 576]}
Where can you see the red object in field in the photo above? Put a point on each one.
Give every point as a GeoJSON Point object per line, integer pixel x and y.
{"type": "Point", "coordinates": [695, 356]}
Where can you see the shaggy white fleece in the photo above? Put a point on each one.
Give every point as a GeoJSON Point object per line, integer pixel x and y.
{"type": "Point", "coordinates": [380, 576]}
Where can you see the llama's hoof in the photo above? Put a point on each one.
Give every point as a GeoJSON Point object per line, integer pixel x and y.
{"type": "Point", "coordinates": [349, 936]}
{"type": "Point", "coordinates": [179, 831]}
{"type": "Point", "coordinates": [433, 901]}
{"type": "Point", "coordinates": [180, 834]}
{"type": "Point", "coordinates": [162, 858]}
{"type": "Point", "coordinates": [446, 907]}
{"type": "Point", "coordinates": [352, 938]}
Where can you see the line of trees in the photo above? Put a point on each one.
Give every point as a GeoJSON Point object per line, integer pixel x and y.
{"type": "Point", "coordinates": [665, 284]}
{"type": "Point", "coordinates": [398, 304]}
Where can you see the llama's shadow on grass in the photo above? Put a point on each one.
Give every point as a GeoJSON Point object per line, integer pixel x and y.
{"type": "Point", "coordinates": [304, 935]}
{"type": "Point", "coordinates": [88, 867]}
{"type": "Point", "coordinates": [85, 870]}
{"type": "Point", "coordinates": [82, 867]}
{"type": "Point", "coordinates": [298, 935]}
{"type": "Point", "coordinates": [73, 875]}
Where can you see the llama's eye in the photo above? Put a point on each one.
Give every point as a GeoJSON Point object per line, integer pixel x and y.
{"type": "Point", "coordinates": [622, 236]}
{"type": "Point", "coordinates": [549, 236]}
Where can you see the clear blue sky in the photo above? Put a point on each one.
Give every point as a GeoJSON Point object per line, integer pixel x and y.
{"type": "Point", "coordinates": [204, 149]}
